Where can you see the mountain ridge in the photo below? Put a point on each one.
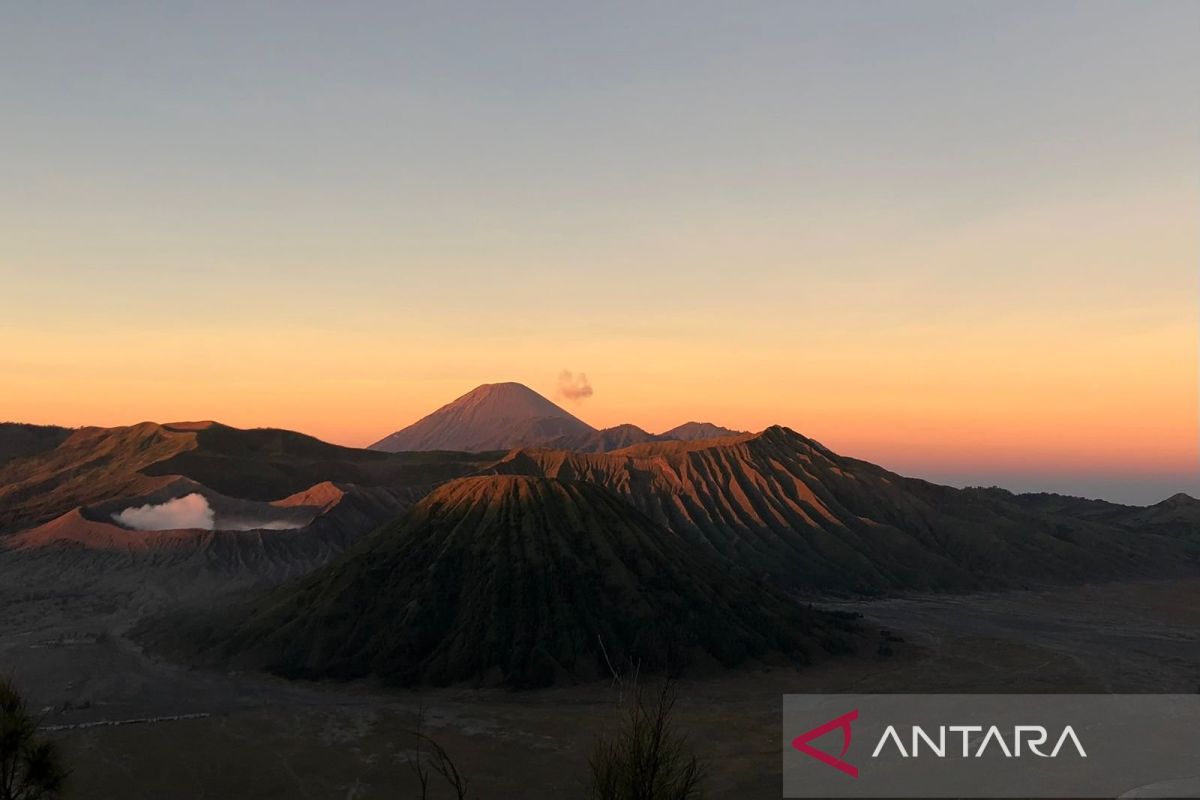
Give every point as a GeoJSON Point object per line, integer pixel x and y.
{"type": "Point", "coordinates": [92, 465]}
{"type": "Point", "coordinates": [788, 508]}
{"type": "Point", "coordinates": [519, 581]}
{"type": "Point", "coordinates": [501, 416]}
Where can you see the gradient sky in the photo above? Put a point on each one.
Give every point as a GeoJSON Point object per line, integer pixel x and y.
{"type": "Point", "coordinates": [959, 239]}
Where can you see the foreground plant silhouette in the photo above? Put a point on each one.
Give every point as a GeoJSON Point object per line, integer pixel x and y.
{"type": "Point", "coordinates": [30, 768]}
{"type": "Point", "coordinates": [646, 759]}
{"type": "Point", "coordinates": [432, 756]}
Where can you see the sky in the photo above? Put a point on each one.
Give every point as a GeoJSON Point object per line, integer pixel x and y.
{"type": "Point", "coordinates": [959, 239]}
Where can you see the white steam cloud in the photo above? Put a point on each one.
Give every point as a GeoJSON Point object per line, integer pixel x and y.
{"type": "Point", "coordinates": [192, 511]}
{"type": "Point", "coordinates": [187, 512]}
{"type": "Point", "coordinates": [574, 386]}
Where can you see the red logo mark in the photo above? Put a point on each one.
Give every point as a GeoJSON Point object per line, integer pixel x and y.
{"type": "Point", "coordinates": [801, 743]}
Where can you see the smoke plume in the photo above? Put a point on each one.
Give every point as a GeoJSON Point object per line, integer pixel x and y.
{"type": "Point", "coordinates": [574, 386]}
{"type": "Point", "coordinates": [187, 512]}
{"type": "Point", "coordinates": [193, 511]}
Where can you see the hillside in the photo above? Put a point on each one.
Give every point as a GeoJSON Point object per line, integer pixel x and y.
{"type": "Point", "coordinates": [86, 552]}
{"type": "Point", "coordinates": [89, 466]}
{"type": "Point", "coordinates": [785, 507]}
{"type": "Point", "coordinates": [98, 465]}
{"type": "Point", "coordinates": [515, 581]}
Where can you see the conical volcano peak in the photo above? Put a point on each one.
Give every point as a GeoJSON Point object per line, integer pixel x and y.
{"type": "Point", "coordinates": [515, 399]}
{"type": "Point", "coordinates": [494, 416]}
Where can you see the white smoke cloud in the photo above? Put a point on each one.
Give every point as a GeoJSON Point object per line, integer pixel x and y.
{"type": "Point", "coordinates": [189, 511]}
{"type": "Point", "coordinates": [574, 386]}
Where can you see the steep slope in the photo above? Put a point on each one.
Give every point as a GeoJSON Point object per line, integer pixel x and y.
{"type": "Point", "coordinates": [495, 416]}
{"type": "Point", "coordinates": [514, 580]}
{"type": "Point", "coordinates": [787, 508]}
{"type": "Point", "coordinates": [89, 466]}
{"type": "Point", "coordinates": [698, 431]}
{"type": "Point", "coordinates": [95, 465]}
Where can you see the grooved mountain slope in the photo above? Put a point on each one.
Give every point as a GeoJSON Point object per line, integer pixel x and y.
{"type": "Point", "coordinates": [784, 506]}
{"type": "Point", "coordinates": [517, 580]}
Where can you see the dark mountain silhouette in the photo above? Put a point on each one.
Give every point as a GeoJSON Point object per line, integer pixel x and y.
{"type": "Point", "coordinates": [1178, 512]}
{"type": "Point", "coordinates": [495, 416]}
{"type": "Point", "coordinates": [18, 439]}
{"type": "Point", "coordinates": [518, 581]}
{"type": "Point", "coordinates": [1177, 515]}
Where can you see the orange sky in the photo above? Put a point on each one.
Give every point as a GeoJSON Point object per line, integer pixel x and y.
{"type": "Point", "coordinates": [1057, 351]}
{"type": "Point", "coordinates": [1075, 392]}
{"type": "Point", "coordinates": [1058, 340]}
{"type": "Point", "coordinates": [972, 256]}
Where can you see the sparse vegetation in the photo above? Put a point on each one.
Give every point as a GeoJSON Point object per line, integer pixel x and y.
{"type": "Point", "coordinates": [430, 758]}
{"type": "Point", "coordinates": [647, 758]}
{"type": "Point", "coordinates": [30, 767]}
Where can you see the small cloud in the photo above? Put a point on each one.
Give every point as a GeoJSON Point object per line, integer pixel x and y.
{"type": "Point", "coordinates": [188, 512]}
{"type": "Point", "coordinates": [574, 386]}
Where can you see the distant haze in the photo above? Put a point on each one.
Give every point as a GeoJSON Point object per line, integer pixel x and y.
{"type": "Point", "coordinates": [956, 239]}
